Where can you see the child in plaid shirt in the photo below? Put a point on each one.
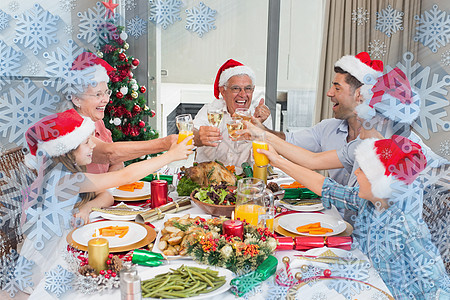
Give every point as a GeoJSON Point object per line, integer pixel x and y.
{"type": "Point", "coordinates": [398, 245]}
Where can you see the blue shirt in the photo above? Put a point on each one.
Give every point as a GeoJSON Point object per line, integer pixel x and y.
{"type": "Point", "coordinates": [398, 245]}
{"type": "Point", "coordinates": [330, 134]}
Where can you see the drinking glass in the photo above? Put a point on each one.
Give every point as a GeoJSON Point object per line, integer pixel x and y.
{"type": "Point", "coordinates": [259, 142]}
{"type": "Point", "coordinates": [185, 127]}
{"type": "Point", "coordinates": [234, 125]}
{"type": "Point", "coordinates": [215, 114]}
{"type": "Point", "coordinates": [183, 118]}
{"type": "Point", "coordinates": [244, 113]}
{"type": "Point", "coordinates": [250, 202]}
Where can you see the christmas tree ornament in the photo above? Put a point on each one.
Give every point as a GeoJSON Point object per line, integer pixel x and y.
{"type": "Point", "coordinates": [99, 54]}
{"type": "Point", "coordinates": [111, 121]}
{"type": "Point", "coordinates": [126, 46]}
{"type": "Point", "coordinates": [133, 81]}
{"type": "Point", "coordinates": [134, 87]}
{"type": "Point", "coordinates": [135, 62]}
{"type": "Point", "coordinates": [124, 90]}
{"type": "Point", "coordinates": [152, 113]}
{"type": "Point", "coordinates": [142, 89]}
{"type": "Point", "coordinates": [123, 35]}
{"type": "Point", "coordinates": [146, 107]}
{"type": "Point", "coordinates": [131, 75]}
{"type": "Point", "coordinates": [122, 56]}
{"type": "Point", "coordinates": [119, 95]}
{"type": "Point", "coordinates": [117, 121]}
{"type": "Point", "coordinates": [136, 108]}
{"type": "Point", "coordinates": [134, 94]}
{"type": "Point", "coordinates": [141, 124]}
{"type": "Point", "coordinates": [121, 50]}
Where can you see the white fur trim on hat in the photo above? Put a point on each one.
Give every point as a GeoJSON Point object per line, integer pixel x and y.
{"type": "Point", "coordinates": [63, 144]}
{"type": "Point", "coordinates": [239, 70]}
{"type": "Point", "coordinates": [374, 169]}
{"type": "Point", "coordinates": [356, 68]}
{"type": "Point", "coordinates": [99, 73]}
{"type": "Point", "coordinates": [364, 111]}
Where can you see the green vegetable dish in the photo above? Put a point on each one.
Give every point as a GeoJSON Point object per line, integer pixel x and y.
{"type": "Point", "coordinates": [183, 282]}
{"type": "Point", "coordinates": [186, 186]}
{"type": "Point", "coordinates": [217, 194]}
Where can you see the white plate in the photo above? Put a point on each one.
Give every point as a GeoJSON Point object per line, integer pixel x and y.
{"type": "Point", "coordinates": [292, 221]}
{"type": "Point", "coordinates": [152, 272]}
{"type": "Point", "coordinates": [145, 191]}
{"type": "Point", "coordinates": [312, 207]}
{"type": "Point", "coordinates": [167, 217]}
{"type": "Point", "coordinates": [135, 233]}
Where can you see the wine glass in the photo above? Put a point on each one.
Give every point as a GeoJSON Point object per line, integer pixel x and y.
{"type": "Point", "coordinates": [183, 118]}
{"type": "Point", "coordinates": [244, 113]}
{"type": "Point", "coordinates": [215, 113]}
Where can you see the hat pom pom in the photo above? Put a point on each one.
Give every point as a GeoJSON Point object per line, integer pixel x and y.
{"type": "Point", "coordinates": [30, 161]}
{"type": "Point", "coordinates": [365, 111]}
{"type": "Point", "coordinates": [381, 187]}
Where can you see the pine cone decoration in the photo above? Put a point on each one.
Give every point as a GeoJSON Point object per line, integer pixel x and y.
{"type": "Point", "coordinates": [116, 264]}
{"type": "Point", "coordinates": [86, 270]}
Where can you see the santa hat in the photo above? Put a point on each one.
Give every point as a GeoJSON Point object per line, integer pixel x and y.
{"type": "Point", "coordinates": [360, 66]}
{"type": "Point", "coordinates": [392, 97]}
{"type": "Point", "coordinates": [92, 65]}
{"type": "Point", "coordinates": [387, 161]}
{"type": "Point", "coordinates": [229, 69]}
{"type": "Point", "coordinates": [57, 134]}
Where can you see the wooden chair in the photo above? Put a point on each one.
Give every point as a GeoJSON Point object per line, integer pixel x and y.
{"type": "Point", "coordinates": [15, 177]}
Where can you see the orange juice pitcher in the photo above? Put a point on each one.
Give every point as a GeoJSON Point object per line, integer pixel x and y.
{"type": "Point", "coordinates": [250, 200]}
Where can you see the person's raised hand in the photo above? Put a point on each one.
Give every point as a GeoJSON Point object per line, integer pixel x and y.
{"type": "Point", "coordinates": [272, 155]}
{"type": "Point", "coordinates": [262, 112]}
{"type": "Point", "coordinates": [169, 140]}
{"type": "Point", "coordinates": [182, 150]}
{"type": "Point", "coordinates": [208, 136]}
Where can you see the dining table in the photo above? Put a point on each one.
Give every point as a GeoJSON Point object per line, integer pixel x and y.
{"type": "Point", "coordinates": [262, 292]}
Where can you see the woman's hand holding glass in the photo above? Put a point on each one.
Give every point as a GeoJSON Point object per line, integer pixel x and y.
{"type": "Point", "coordinates": [182, 149]}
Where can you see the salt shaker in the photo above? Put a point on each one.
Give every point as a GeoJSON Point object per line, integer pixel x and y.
{"type": "Point", "coordinates": [130, 284]}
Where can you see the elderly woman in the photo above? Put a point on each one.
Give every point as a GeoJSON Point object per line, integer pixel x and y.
{"type": "Point", "coordinates": [91, 102]}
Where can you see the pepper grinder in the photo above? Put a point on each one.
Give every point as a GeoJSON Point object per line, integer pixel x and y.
{"type": "Point", "coordinates": [130, 284]}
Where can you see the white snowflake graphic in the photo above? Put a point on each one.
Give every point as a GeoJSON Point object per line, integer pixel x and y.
{"type": "Point", "coordinates": [319, 296]}
{"type": "Point", "coordinates": [59, 64]}
{"type": "Point", "coordinates": [33, 68]}
{"type": "Point", "coordinates": [130, 4]}
{"type": "Point", "coordinates": [9, 63]}
{"type": "Point", "coordinates": [94, 28]}
{"type": "Point", "coordinates": [7, 266]}
{"type": "Point", "coordinates": [200, 19]}
{"type": "Point", "coordinates": [434, 28]}
{"type": "Point", "coordinates": [67, 5]}
{"type": "Point", "coordinates": [386, 153]}
{"type": "Point", "coordinates": [360, 16]}
{"type": "Point", "coordinates": [13, 5]}
{"type": "Point", "coordinates": [4, 20]}
{"type": "Point", "coordinates": [377, 49]}
{"type": "Point", "coordinates": [165, 12]}
{"type": "Point", "coordinates": [23, 106]}
{"type": "Point", "coordinates": [444, 148]}
{"type": "Point", "coordinates": [21, 278]}
{"type": "Point", "coordinates": [276, 292]}
{"type": "Point", "coordinates": [68, 29]}
{"type": "Point", "coordinates": [446, 58]}
{"type": "Point", "coordinates": [137, 27]}
{"type": "Point", "coordinates": [389, 20]}
{"type": "Point", "coordinates": [36, 29]}
{"type": "Point", "coordinates": [58, 280]}
{"type": "Point", "coordinates": [433, 95]}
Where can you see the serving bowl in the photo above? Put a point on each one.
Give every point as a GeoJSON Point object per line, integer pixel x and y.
{"type": "Point", "coordinates": [213, 209]}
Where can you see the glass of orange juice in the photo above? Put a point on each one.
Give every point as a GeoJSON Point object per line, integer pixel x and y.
{"type": "Point", "coordinates": [259, 142]}
{"type": "Point", "coordinates": [250, 203]}
{"type": "Point", "coordinates": [185, 127]}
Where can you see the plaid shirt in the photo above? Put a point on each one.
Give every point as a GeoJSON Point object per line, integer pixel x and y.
{"type": "Point", "coordinates": [398, 246]}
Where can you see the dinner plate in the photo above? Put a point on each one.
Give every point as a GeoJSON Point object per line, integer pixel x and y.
{"type": "Point", "coordinates": [145, 191]}
{"type": "Point", "coordinates": [312, 207]}
{"type": "Point", "coordinates": [135, 233]}
{"type": "Point", "coordinates": [292, 221]}
{"type": "Point", "coordinates": [152, 272]}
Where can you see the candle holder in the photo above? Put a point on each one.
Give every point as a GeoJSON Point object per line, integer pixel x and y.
{"type": "Point", "coordinates": [98, 251]}
{"type": "Point", "coordinates": [159, 192]}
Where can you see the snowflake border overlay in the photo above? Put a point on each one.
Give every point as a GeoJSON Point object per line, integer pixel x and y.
{"type": "Point", "coordinates": [16, 273]}
{"type": "Point", "coordinates": [137, 27]}
{"type": "Point", "coordinates": [10, 63]}
{"type": "Point", "coordinates": [377, 49]}
{"type": "Point", "coordinates": [58, 280]}
{"type": "Point", "coordinates": [433, 29]}
{"type": "Point", "coordinates": [4, 20]}
{"type": "Point", "coordinates": [36, 29]}
{"type": "Point", "coordinates": [200, 19]}
{"type": "Point", "coordinates": [360, 16]}
{"type": "Point", "coordinates": [389, 20]}
{"type": "Point", "coordinates": [165, 12]}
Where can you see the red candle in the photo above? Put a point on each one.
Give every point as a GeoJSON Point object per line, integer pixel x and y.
{"type": "Point", "coordinates": [233, 228]}
{"type": "Point", "coordinates": [159, 189]}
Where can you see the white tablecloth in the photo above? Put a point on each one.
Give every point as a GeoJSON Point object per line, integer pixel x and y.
{"type": "Point", "coordinates": [40, 293]}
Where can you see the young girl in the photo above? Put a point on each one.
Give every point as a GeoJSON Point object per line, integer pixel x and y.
{"type": "Point", "coordinates": [397, 244]}
{"type": "Point", "coordinates": [60, 147]}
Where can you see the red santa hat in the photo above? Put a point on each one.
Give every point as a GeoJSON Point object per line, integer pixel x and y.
{"type": "Point", "coordinates": [387, 161]}
{"type": "Point", "coordinates": [57, 134]}
{"type": "Point", "coordinates": [91, 64]}
{"type": "Point", "coordinates": [360, 65]}
{"type": "Point", "coordinates": [229, 69]}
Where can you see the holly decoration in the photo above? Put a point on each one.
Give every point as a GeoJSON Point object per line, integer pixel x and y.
{"type": "Point", "coordinates": [127, 110]}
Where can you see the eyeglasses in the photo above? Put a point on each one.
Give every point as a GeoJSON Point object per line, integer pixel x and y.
{"type": "Point", "coordinates": [100, 95]}
{"type": "Point", "coordinates": [237, 89]}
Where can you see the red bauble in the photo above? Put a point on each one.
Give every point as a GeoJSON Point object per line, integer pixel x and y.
{"type": "Point", "coordinates": [145, 129]}
{"type": "Point", "coordinates": [119, 95]}
{"type": "Point", "coordinates": [141, 124]}
{"type": "Point", "coordinates": [327, 273]}
{"type": "Point", "coordinates": [122, 56]}
{"type": "Point", "coordinates": [135, 62]}
{"type": "Point", "coordinates": [110, 101]}
{"type": "Point", "coordinates": [142, 89]}
{"type": "Point", "coordinates": [136, 108]}
{"type": "Point", "coordinates": [152, 113]}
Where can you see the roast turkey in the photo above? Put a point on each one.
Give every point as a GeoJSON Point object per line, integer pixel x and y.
{"type": "Point", "coordinates": [211, 172]}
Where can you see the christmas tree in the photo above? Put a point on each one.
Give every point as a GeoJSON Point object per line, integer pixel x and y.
{"type": "Point", "coordinates": [127, 113]}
